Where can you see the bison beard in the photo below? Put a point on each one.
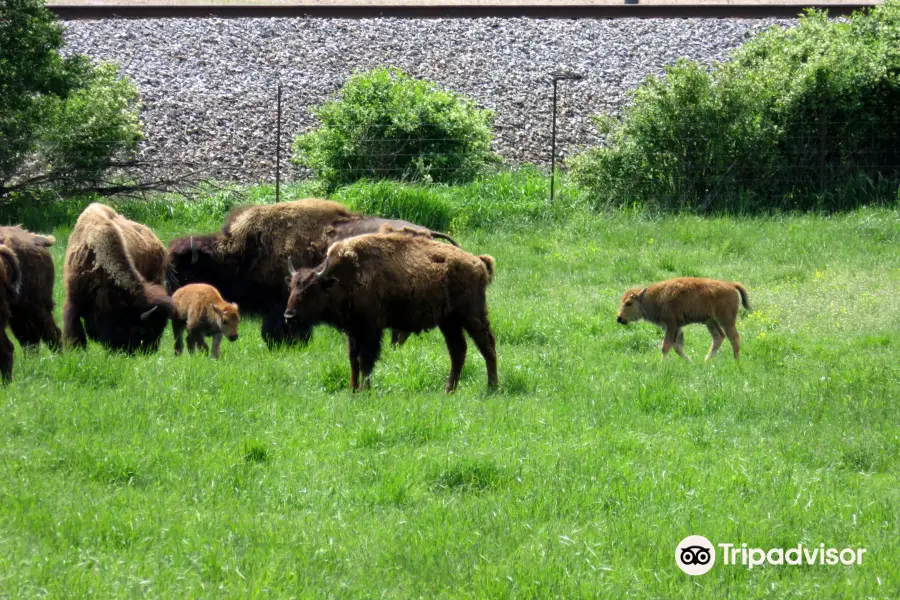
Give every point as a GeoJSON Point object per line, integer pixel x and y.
{"type": "Point", "coordinates": [247, 260]}
{"type": "Point", "coordinates": [408, 283]}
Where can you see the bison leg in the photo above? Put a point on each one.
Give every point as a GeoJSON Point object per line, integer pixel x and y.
{"type": "Point", "coordinates": [195, 340]}
{"type": "Point", "coordinates": [480, 330]}
{"type": "Point", "coordinates": [178, 327]}
{"type": "Point", "coordinates": [718, 336]}
{"type": "Point", "coordinates": [73, 329]}
{"type": "Point", "coordinates": [33, 325]}
{"type": "Point", "coordinates": [734, 339]}
{"type": "Point", "coordinates": [456, 344]}
{"type": "Point", "coordinates": [669, 339]}
{"type": "Point", "coordinates": [6, 357]}
{"type": "Point", "coordinates": [217, 341]}
{"type": "Point", "coordinates": [353, 353]}
{"type": "Point", "coordinates": [679, 345]}
{"type": "Point", "coordinates": [369, 351]}
{"type": "Point", "coordinates": [50, 333]}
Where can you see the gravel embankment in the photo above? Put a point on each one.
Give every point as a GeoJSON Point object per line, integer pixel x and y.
{"type": "Point", "coordinates": [208, 85]}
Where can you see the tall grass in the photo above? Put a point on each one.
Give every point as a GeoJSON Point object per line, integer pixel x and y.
{"type": "Point", "coordinates": [260, 475]}
{"type": "Point", "coordinates": [505, 197]}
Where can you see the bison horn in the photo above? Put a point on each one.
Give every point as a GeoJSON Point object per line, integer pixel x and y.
{"type": "Point", "coordinates": [194, 256]}
{"type": "Point", "coordinates": [291, 268]}
{"type": "Point", "coordinates": [146, 314]}
{"type": "Point", "coordinates": [321, 272]}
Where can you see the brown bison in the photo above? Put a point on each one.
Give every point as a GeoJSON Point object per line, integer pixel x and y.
{"type": "Point", "coordinates": [31, 312]}
{"type": "Point", "coordinates": [678, 302]}
{"type": "Point", "coordinates": [406, 282]}
{"type": "Point", "coordinates": [200, 309]}
{"type": "Point", "coordinates": [10, 284]}
{"type": "Point", "coordinates": [114, 278]}
{"type": "Point", "coordinates": [247, 261]}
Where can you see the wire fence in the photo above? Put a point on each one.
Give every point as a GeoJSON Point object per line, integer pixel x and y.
{"type": "Point", "coordinates": [817, 156]}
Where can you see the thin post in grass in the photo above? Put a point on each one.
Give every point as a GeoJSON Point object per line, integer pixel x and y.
{"type": "Point", "coordinates": [278, 147]}
{"type": "Point", "coordinates": [556, 76]}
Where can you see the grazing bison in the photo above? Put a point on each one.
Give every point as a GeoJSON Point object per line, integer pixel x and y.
{"type": "Point", "coordinates": [31, 312]}
{"type": "Point", "coordinates": [114, 278]}
{"type": "Point", "coordinates": [10, 283]}
{"type": "Point", "coordinates": [247, 261]}
{"type": "Point", "coordinates": [677, 302]}
{"type": "Point", "coordinates": [396, 280]}
{"type": "Point", "coordinates": [200, 309]}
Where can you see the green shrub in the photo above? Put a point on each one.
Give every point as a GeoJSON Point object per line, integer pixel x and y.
{"type": "Point", "coordinates": [63, 122]}
{"type": "Point", "coordinates": [799, 118]}
{"type": "Point", "coordinates": [384, 124]}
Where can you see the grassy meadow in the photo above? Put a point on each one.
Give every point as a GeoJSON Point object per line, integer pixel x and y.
{"type": "Point", "coordinates": [261, 475]}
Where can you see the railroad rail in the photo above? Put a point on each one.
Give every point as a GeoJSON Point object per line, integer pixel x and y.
{"type": "Point", "coordinates": [71, 12]}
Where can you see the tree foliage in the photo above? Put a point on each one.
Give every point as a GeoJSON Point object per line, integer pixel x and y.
{"type": "Point", "coordinates": [799, 118]}
{"type": "Point", "coordinates": [385, 124]}
{"type": "Point", "coordinates": [63, 121]}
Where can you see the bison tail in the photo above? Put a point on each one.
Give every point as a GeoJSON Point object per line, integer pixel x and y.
{"type": "Point", "coordinates": [489, 266]}
{"type": "Point", "coordinates": [435, 235]}
{"type": "Point", "coordinates": [12, 266]}
{"type": "Point", "coordinates": [743, 292]}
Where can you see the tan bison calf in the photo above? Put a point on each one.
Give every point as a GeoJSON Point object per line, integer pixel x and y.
{"type": "Point", "coordinates": [200, 309]}
{"type": "Point", "coordinates": [678, 302]}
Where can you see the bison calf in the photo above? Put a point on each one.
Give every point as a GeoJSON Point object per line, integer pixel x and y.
{"type": "Point", "coordinates": [405, 282]}
{"type": "Point", "coordinates": [200, 309]}
{"type": "Point", "coordinates": [677, 302]}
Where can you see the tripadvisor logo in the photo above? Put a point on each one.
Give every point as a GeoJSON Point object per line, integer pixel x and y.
{"type": "Point", "coordinates": [696, 555]}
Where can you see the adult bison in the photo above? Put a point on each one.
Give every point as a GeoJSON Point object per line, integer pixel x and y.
{"type": "Point", "coordinates": [406, 282]}
{"type": "Point", "coordinates": [114, 278]}
{"type": "Point", "coordinates": [10, 284]}
{"type": "Point", "coordinates": [31, 311]}
{"type": "Point", "coordinates": [248, 260]}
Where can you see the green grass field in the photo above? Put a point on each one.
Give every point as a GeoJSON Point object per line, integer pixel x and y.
{"type": "Point", "coordinates": [261, 475]}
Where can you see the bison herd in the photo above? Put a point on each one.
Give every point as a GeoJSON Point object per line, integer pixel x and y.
{"type": "Point", "coordinates": [296, 264]}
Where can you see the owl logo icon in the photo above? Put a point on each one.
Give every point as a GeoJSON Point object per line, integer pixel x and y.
{"type": "Point", "coordinates": [695, 555]}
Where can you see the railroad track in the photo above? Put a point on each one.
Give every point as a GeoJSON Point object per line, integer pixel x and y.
{"type": "Point", "coordinates": [69, 12]}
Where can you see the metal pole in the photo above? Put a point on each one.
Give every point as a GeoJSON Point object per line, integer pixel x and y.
{"type": "Point", "coordinates": [278, 149]}
{"type": "Point", "coordinates": [553, 146]}
{"type": "Point", "coordinates": [556, 76]}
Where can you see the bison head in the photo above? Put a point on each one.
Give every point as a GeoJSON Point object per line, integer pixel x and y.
{"type": "Point", "coordinates": [631, 306]}
{"type": "Point", "coordinates": [309, 297]}
{"type": "Point", "coordinates": [135, 327]}
{"type": "Point", "coordinates": [227, 318]}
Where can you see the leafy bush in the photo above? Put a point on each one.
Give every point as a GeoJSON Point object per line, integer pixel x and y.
{"type": "Point", "coordinates": [384, 124]}
{"type": "Point", "coordinates": [799, 118]}
{"type": "Point", "coordinates": [63, 122]}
